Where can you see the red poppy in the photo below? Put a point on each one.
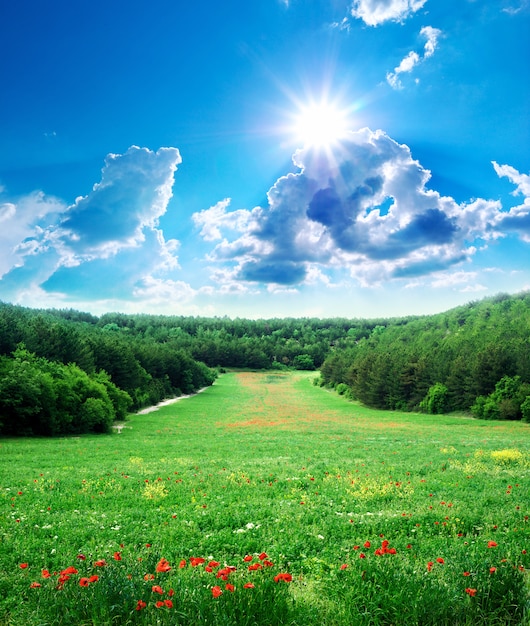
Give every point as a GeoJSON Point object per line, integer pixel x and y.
{"type": "Point", "coordinates": [159, 604]}
{"type": "Point", "coordinates": [163, 566]}
{"type": "Point", "coordinates": [367, 544]}
{"type": "Point", "coordinates": [440, 560]}
{"type": "Point", "coordinates": [157, 589]}
{"type": "Point", "coordinates": [248, 558]}
{"type": "Point", "coordinates": [230, 587]}
{"type": "Point", "coordinates": [68, 571]}
{"type": "Point", "coordinates": [283, 577]}
{"type": "Point", "coordinates": [35, 585]}
{"type": "Point", "coordinates": [493, 570]}
{"type": "Point", "coordinates": [467, 574]}
{"type": "Point", "coordinates": [83, 582]}
{"type": "Point", "coordinates": [168, 603]}
{"type": "Point", "coordinates": [100, 563]}
{"type": "Point", "coordinates": [117, 556]}
{"type": "Point", "coordinates": [471, 592]}
{"type": "Point", "coordinates": [93, 579]}
{"type": "Point", "coordinates": [429, 566]}
{"type": "Point", "coordinates": [23, 566]}
{"type": "Point", "coordinates": [214, 564]}
{"type": "Point", "coordinates": [263, 556]}
{"type": "Point", "coordinates": [216, 591]}
{"type": "Point", "coordinates": [492, 544]}
{"type": "Point", "coordinates": [248, 586]}
{"type": "Point", "coordinates": [182, 564]}
{"type": "Point", "coordinates": [45, 573]}
{"type": "Point", "coordinates": [356, 547]}
{"type": "Point", "coordinates": [344, 566]}
{"type": "Point", "coordinates": [140, 605]}
{"type": "Point", "coordinates": [268, 563]}
{"type": "Point", "coordinates": [196, 560]}
{"type": "Point", "coordinates": [81, 557]}
{"type": "Point", "coordinates": [171, 593]}
{"type": "Point", "coordinates": [254, 566]}
{"type": "Point", "coordinates": [362, 555]}
{"type": "Point", "coordinates": [149, 577]}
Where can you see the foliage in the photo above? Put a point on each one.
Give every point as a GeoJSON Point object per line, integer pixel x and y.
{"type": "Point", "coordinates": [468, 350]}
{"type": "Point", "coordinates": [506, 402]}
{"type": "Point", "coordinates": [41, 397]}
{"type": "Point", "coordinates": [436, 399]}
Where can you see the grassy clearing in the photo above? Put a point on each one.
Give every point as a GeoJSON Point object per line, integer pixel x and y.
{"type": "Point", "coordinates": [378, 517]}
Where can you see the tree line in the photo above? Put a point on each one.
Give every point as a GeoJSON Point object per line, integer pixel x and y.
{"type": "Point", "coordinates": [472, 358]}
{"type": "Point", "coordinates": [66, 371]}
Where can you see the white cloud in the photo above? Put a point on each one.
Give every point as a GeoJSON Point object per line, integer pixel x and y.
{"type": "Point", "coordinates": [517, 219]}
{"type": "Point", "coordinates": [413, 59]}
{"type": "Point", "coordinates": [365, 208]}
{"type": "Point", "coordinates": [375, 12]}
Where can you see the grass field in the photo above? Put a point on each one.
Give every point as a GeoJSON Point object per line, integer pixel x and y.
{"type": "Point", "coordinates": [268, 500]}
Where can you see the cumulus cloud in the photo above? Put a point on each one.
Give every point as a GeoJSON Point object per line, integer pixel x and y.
{"type": "Point", "coordinates": [517, 219]}
{"type": "Point", "coordinates": [365, 207]}
{"type": "Point", "coordinates": [412, 59]}
{"type": "Point", "coordinates": [375, 12]}
{"type": "Point", "coordinates": [104, 241]}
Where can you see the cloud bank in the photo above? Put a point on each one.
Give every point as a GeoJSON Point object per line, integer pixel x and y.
{"type": "Point", "coordinates": [106, 242]}
{"type": "Point", "coordinates": [364, 207]}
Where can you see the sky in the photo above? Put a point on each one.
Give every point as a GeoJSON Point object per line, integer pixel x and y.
{"type": "Point", "coordinates": [264, 159]}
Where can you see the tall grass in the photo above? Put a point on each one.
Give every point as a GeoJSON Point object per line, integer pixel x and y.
{"type": "Point", "coordinates": [267, 500]}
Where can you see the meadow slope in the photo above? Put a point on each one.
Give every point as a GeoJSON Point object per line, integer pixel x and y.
{"type": "Point", "coordinates": [268, 500]}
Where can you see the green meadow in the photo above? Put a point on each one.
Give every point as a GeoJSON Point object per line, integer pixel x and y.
{"type": "Point", "coordinates": [268, 500]}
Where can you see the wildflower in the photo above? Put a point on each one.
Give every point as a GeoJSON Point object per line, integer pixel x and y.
{"type": "Point", "coordinates": [100, 563]}
{"type": "Point", "coordinates": [213, 564]}
{"type": "Point", "coordinates": [171, 593]}
{"type": "Point", "coordinates": [157, 589]}
{"type": "Point", "coordinates": [440, 560]}
{"type": "Point", "coordinates": [467, 574]}
{"type": "Point", "coordinates": [248, 586]}
{"type": "Point", "coordinates": [429, 566]}
{"type": "Point", "coordinates": [23, 566]}
{"type": "Point", "coordinates": [35, 585]}
{"type": "Point", "coordinates": [230, 587]}
{"type": "Point", "coordinates": [492, 544]}
{"type": "Point", "coordinates": [93, 579]}
{"type": "Point", "coordinates": [68, 571]}
{"type": "Point", "coordinates": [45, 573]}
{"type": "Point", "coordinates": [268, 563]}
{"type": "Point", "coordinates": [196, 560]}
{"type": "Point", "coordinates": [254, 567]}
{"type": "Point", "coordinates": [471, 592]}
{"type": "Point", "coordinates": [263, 556]}
{"type": "Point", "coordinates": [149, 577]}
{"type": "Point", "coordinates": [367, 544]}
{"type": "Point", "coordinates": [163, 566]}
{"type": "Point", "coordinates": [168, 603]}
{"type": "Point", "coordinates": [283, 577]}
{"type": "Point", "coordinates": [159, 604]}
{"type": "Point", "coordinates": [248, 558]}
{"type": "Point", "coordinates": [117, 556]}
{"type": "Point", "coordinates": [140, 605]}
{"type": "Point", "coordinates": [344, 566]}
{"type": "Point", "coordinates": [83, 582]}
{"type": "Point", "coordinates": [356, 547]}
{"type": "Point", "coordinates": [216, 591]}
{"type": "Point", "coordinates": [493, 570]}
{"type": "Point", "coordinates": [362, 555]}
{"type": "Point", "coordinates": [81, 557]}
{"type": "Point", "coordinates": [182, 564]}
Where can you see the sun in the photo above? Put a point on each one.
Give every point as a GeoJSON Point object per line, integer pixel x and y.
{"type": "Point", "coordinates": [320, 125]}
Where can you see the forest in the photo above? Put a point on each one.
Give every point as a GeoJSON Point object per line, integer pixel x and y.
{"type": "Point", "coordinates": [66, 371]}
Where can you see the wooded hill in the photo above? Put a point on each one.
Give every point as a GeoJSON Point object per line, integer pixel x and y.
{"type": "Point", "coordinates": [65, 371]}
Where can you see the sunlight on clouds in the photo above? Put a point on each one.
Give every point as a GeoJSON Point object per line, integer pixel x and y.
{"type": "Point", "coordinates": [329, 216]}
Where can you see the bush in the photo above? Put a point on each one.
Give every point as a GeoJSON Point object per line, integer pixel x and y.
{"type": "Point", "coordinates": [435, 401]}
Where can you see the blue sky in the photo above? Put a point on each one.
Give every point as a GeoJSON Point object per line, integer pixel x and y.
{"type": "Point", "coordinates": [353, 158]}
